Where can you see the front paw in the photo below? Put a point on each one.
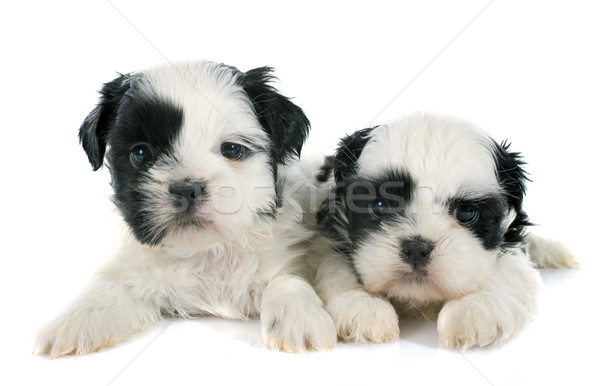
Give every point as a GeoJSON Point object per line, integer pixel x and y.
{"type": "Point", "coordinates": [298, 328]}
{"type": "Point", "coordinates": [361, 317]}
{"type": "Point", "coordinates": [475, 322]}
{"type": "Point", "coordinates": [77, 332]}
{"type": "Point", "coordinates": [84, 329]}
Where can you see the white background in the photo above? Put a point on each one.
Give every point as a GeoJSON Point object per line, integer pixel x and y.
{"type": "Point", "coordinates": [527, 71]}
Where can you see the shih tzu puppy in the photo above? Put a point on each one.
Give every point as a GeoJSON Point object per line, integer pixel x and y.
{"type": "Point", "coordinates": [203, 162]}
{"type": "Point", "coordinates": [426, 218]}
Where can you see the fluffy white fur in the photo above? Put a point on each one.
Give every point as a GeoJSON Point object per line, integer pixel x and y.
{"type": "Point", "coordinates": [241, 264]}
{"type": "Point", "coordinates": [550, 253]}
{"type": "Point", "coordinates": [358, 315]}
{"type": "Point", "coordinates": [482, 296]}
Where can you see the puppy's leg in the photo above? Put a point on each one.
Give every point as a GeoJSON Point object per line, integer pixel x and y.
{"type": "Point", "coordinates": [358, 316]}
{"type": "Point", "coordinates": [107, 312]}
{"type": "Point", "coordinates": [503, 305]}
{"type": "Point", "coordinates": [293, 318]}
{"type": "Point", "coordinates": [549, 253]}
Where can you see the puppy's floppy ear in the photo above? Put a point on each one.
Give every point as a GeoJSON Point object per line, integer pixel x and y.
{"type": "Point", "coordinates": [512, 178]}
{"type": "Point", "coordinates": [349, 150]}
{"type": "Point", "coordinates": [284, 122]}
{"type": "Point", "coordinates": [94, 129]}
{"type": "Point", "coordinates": [332, 216]}
{"type": "Point", "coordinates": [332, 219]}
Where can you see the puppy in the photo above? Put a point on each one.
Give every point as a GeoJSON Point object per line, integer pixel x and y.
{"type": "Point", "coordinates": [197, 154]}
{"type": "Point", "coordinates": [426, 213]}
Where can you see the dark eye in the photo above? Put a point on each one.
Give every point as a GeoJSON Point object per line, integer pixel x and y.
{"type": "Point", "coordinates": [140, 154]}
{"type": "Point", "coordinates": [233, 151]}
{"type": "Point", "coordinates": [379, 207]}
{"type": "Point", "coordinates": [466, 214]}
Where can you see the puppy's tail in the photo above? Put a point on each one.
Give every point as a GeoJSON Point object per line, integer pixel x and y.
{"type": "Point", "coordinates": [550, 253]}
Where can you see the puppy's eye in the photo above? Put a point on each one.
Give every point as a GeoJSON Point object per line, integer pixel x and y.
{"type": "Point", "coordinates": [140, 154]}
{"type": "Point", "coordinates": [380, 207]}
{"type": "Point", "coordinates": [232, 151]}
{"type": "Point", "coordinates": [466, 214]}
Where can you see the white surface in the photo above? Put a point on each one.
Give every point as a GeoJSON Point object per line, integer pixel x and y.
{"type": "Point", "coordinates": [527, 71]}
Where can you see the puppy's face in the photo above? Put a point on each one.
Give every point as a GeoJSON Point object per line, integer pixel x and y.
{"type": "Point", "coordinates": [423, 206]}
{"type": "Point", "coordinates": [192, 149]}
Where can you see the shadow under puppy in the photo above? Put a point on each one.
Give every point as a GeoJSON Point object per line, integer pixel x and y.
{"type": "Point", "coordinates": [426, 212]}
{"type": "Point", "coordinates": [197, 153]}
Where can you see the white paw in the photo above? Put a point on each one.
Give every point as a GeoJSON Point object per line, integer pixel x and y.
{"type": "Point", "coordinates": [78, 332]}
{"type": "Point", "coordinates": [85, 328]}
{"type": "Point", "coordinates": [298, 327]}
{"type": "Point", "coordinates": [361, 317]}
{"type": "Point", "coordinates": [475, 322]}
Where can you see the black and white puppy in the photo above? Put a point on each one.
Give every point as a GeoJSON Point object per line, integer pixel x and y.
{"type": "Point", "coordinates": [201, 157]}
{"type": "Point", "coordinates": [427, 212]}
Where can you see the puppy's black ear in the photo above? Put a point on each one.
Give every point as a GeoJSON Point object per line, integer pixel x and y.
{"type": "Point", "coordinates": [326, 169]}
{"type": "Point", "coordinates": [348, 151]}
{"type": "Point", "coordinates": [332, 216]}
{"type": "Point", "coordinates": [284, 122]}
{"type": "Point", "coordinates": [332, 220]}
{"type": "Point", "coordinates": [94, 129]}
{"type": "Point", "coordinates": [512, 178]}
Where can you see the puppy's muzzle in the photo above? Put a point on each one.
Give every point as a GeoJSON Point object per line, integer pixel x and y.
{"type": "Point", "coordinates": [187, 195]}
{"type": "Point", "coordinates": [417, 252]}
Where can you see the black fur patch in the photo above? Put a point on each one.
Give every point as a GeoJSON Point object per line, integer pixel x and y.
{"type": "Point", "coordinates": [349, 150]}
{"type": "Point", "coordinates": [125, 118]}
{"type": "Point", "coordinates": [348, 216]}
{"type": "Point", "coordinates": [273, 325]}
{"type": "Point", "coordinates": [284, 122]}
{"type": "Point", "coordinates": [512, 178]}
{"type": "Point", "coordinates": [392, 188]}
{"type": "Point", "coordinates": [150, 120]}
{"type": "Point", "coordinates": [488, 225]}
{"type": "Point", "coordinates": [93, 132]}
{"type": "Point", "coordinates": [326, 170]}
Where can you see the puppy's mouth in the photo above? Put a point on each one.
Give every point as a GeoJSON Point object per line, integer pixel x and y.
{"type": "Point", "coordinates": [400, 283]}
{"type": "Point", "coordinates": [415, 273]}
{"type": "Point", "coordinates": [188, 220]}
{"type": "Point", "coordinates": [419, 276]}
{"type": "Point", "coordinates": [425, 279]}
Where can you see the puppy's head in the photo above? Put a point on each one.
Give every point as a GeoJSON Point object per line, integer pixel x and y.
{"type": "Point", "coordinates": [193, 149]}
{"type": "Point", "coordinates": [423, 206]}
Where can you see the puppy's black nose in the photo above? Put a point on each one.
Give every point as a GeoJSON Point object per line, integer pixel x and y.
{"type": "Point", "coordinates": [187, 193]}
{"type": "Point", "coordinates": [417, 252]}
